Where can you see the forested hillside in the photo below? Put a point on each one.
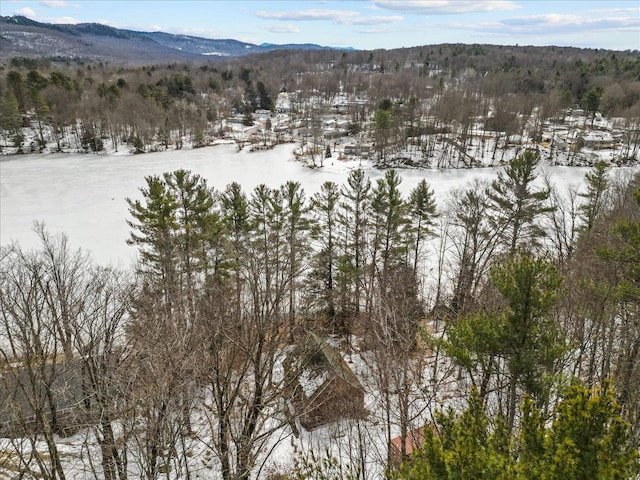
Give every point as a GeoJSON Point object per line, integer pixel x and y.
{"type": "Point", "coordinates": [22, 36]}
{"type": "Point", "coordinates": [421, 100]}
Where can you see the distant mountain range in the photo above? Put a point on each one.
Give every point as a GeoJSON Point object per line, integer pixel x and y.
{"type": "Point", "coordinates": [21, 36]}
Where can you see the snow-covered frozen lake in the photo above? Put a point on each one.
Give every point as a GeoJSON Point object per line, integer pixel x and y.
{"type": "Point", "coordinates": [84, 195]}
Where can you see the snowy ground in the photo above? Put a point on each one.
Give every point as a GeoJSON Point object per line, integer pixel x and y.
{"type": "Point", "coordinates": [348, 441]}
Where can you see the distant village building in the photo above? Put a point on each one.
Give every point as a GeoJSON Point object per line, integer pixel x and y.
{"type": "Point", "coordinates": [362, 150]}
{"type": "Point", "coordinates": [262, 114]}
{"type": "Point", "coordinates": [283, 103]}
{"type": "Point", "coordinates": [341, 107]}
{"type": "Point", "coordinates": [597, 140]}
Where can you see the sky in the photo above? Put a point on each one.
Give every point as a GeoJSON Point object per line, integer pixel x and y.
{"type": "Point", "coordinates": [362, 24]}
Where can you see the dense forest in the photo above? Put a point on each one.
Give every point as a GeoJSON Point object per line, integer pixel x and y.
{"type": "Point", "coordinates": [493, 335]}
{"type": "Point", "coordinates": [430, 88]}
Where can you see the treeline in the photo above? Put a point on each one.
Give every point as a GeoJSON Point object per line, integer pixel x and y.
{"type": "Point", "coordinates": [158, 106]}
{"type": "Point", "coordinates": [187, 364]}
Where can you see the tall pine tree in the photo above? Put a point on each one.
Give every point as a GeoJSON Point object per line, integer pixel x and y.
{"type": "Point", "coordinates": [517, 205]}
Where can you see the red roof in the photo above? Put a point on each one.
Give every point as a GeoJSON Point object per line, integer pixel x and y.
{"type": "Point", "coordinates": [413, 441]}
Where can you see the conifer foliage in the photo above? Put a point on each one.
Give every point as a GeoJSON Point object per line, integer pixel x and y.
{"type": "Point", "coordinates": [586, 438]}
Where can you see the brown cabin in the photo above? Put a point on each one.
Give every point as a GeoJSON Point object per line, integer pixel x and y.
{"type": "Point", "coordinates": [328, 390]}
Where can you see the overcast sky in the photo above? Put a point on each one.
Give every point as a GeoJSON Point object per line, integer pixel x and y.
{"type": "Point", "coordinates": [362, 24]}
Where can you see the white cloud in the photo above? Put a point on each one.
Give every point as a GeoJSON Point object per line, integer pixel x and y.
{"type": "Point", "coordinates": [446, 7]}
{"type": "Point", "coordinates": [553, 22]}
{"type": "Point", "coordinates": [380, 29]}
{"type": "Point", "coordinates": [338, 16]}
{"type": "Point", "coordinates": [342, 17]}
{"type": "Point", "coordinates": [389, 29]}
{"type": "Point", "coordinates": [25, 11]}
{"type": "Point", "coordinates": [54, 3]}
{"type": "Point", "coordinates": [28, 12]}
{"type": "Point", "coordinates": [286, 28]}
{"type": "Point", "coordinates": [377, 20]}
{"type": "Point", "coordinates": [67, 20]}
{"type": "Point", "coordinates": [616, 11]}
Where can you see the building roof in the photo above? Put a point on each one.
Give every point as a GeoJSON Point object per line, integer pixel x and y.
{"type": "Point", "coordinates": [413, 441]}
{"type": "Point", "coordinates": [335, 361]}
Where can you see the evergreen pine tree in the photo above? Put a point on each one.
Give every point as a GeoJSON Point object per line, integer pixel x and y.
{"type": "Point", "coordinates": [528, 340]}
{"type": "Point", "coordinates": [595, 196]}
{"type": "Point", "coordinates": [324, 272]}
{"type": "Point", "coordinates": [196, 222]}
{"type": "Point", "coordinates": [10, 119]}
{"type": "Point", "coordinates": [422, 216]}
{"type": "Point", "coordinates": [516, 205]}
{"type": "Point", "coordinates": [297, 226]}
{"type": "Point", "coordinates": [585, 439]}
{"type": "Point", "coordinates": [390, 221]}
{"type": "Point", "coordinates": [154, 227]}
{"type": "Point", "coordinates": [235, 220]}
{"type": "Point", "coordinates": [353, 217]}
